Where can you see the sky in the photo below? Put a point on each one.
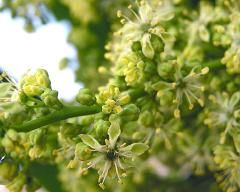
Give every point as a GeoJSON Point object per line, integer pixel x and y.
{"type": "Point", "coordinates": [21, 51]}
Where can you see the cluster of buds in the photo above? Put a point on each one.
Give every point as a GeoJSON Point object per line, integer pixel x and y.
{"type": "Point", "coordinates": [112, 99]}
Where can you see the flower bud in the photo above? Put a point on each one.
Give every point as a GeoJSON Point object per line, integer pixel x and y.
{"type": "Point", "coordinates": [50, 99]}
{"type": "Point", "coordinates": [157, 43]}
{"type": "Point", "coordinates": [146, 118]}
{"type": "Point", "coordinates": [17, 184]}
{"type": "Point", "coordinates": [85, 97]}
{"type": "Point", "coordinates": [130, 113]}
{"type": "Point", "coordinates": [82, 151]}
{"type": "Point", "coordinates": [42, 78]}
{"type": "Point", "coordinates": [32, 90]}
{"type": "Point", "coordinates": [101, 128]}
{"type": "Point", "coordinates": [8, 171]}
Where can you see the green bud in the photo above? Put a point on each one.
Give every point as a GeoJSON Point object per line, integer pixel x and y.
{"type": "Point", "coordinates": [50, 98]}
{"type": "Point", "coordinates": [12, 134]}
{"type": "Point", "coordinates": [36, 136]}
{"type": "Point", "coordinates": [106, 109]}
{"type": "Point", "coordinates": [42, 78]}
{"type": "Point", "coordinates": [82, 151]}
{"type": "Point", "coordinates": [8, 171]}
{"type": "Point", "coordinates": [150, 67]}
{"type": "Point", "coordinates": [157, 43]}
{"type": "Point", "coordinates": [146, 118]}
{"type": "Point", "coordinates": [87, 120]}
{"type": "Point", "coordinates": [165, 69]}
{"type": "Point", "coordinates": [85, 97]}
{"type": "Point", "coordinates": [32, 90]}
{"type": "Point", "coordinates": [101, 128]}
{"type": "Point", "coordinates": [138, 135]}
{"type": "Point", "coordinates": [167, 98]}
{"type": "Point", "coordinates": [124, 99]}
{"type": "Point", "coordinates": [130, 113]}
{"type": "Point", "coordinates": [17, 184]}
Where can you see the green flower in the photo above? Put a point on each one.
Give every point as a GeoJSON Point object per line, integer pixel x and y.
{"type": "Point", "coordinates": [228, 162]}
{"type": "Point", "coordinates": [225, 112]}
{"type": "Point", "coordinates": [148, 21]}
{"type": "Point", "coordinates": [8, 89]}
{"type": "Point", "coordinates": [187, 87]}
{"type": "Point", "coordinates": [112, 156]}
{"type": "Point", "coordinates": [199, 26]}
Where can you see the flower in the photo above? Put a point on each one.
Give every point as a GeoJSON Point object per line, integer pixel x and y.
{"type": "Point", "coordinates": [148, 22]}
{"type": "Point", "coordinates": [112, 99]}
{"type": "Point", "coordinates": [228, 161]}
{"type": "Point", "coordinates": [132, 67]}
{"type": "Point", "coordinates": [8, 88]}
{"type": "Point", "coordinates": [184, 86]}
{"type": "Point", "coordinates": [111, 155]}
{"type": "Point", "coordinates": [199, 26]}
{"type": "Point", "coordinates": [225, 112]}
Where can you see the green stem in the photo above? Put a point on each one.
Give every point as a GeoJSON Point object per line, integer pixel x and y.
{"type": "Point", "coordinates": [64, 113]}
{"type": "Point", "coordinates": [213, 64]}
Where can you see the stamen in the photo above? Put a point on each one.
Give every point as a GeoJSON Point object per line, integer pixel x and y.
{"type": "Point", "coordinates": [177, 113]}
{"type": "Point", "coordinates": [116, 169]}
{"type": "Point", "coordinates": [205, 70]}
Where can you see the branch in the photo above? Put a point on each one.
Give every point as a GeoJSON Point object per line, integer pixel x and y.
{"type": "Point", "coordinates": [65, 113]}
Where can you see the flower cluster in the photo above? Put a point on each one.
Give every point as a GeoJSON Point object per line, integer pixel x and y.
{"type": "Point", "coordinates": [170, 109]}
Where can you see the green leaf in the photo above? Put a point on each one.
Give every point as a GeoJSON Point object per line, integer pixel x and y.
{"type": "Point", "coordinates": [91, 142]}
{"type": "Point", "coordinates": [113, 132]}
{"type": "Point", "coordinates": [47, 175]}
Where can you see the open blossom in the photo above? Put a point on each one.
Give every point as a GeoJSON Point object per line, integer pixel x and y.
{"type": "Point", "coordinates": [187, 87]}
{"type": "Point", "coordinates": [148, 21]}
{"type": "Point", "coordinates": [111, 156]}
{"type": "Point", "coordinates": [226, 113]}
{"type": "Point", "coordinates": [9, 93]}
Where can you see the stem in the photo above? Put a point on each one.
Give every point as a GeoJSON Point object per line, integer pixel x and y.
{"type": "Point", "coordinates": [64, 113]}
{"type": "Point", "coordinates": [213, 64]}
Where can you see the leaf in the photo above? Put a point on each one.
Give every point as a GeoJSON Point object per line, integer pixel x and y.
{"type": "Point", "coordinates": [91, 142]}
{"type": "Point", "coordinates": [136, 148]}
{"type": "Point", "coordinates": [47, 175]}
{"type": "Point", "coordinates": [113, 132]}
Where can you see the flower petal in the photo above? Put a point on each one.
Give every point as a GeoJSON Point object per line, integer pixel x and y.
{"type": "Point", "coordinates": [145, 12]}
{"type": "Point", "coordinates": [136, 149]}
{"type": "Point", "coordinates": [91, 142]}
{"type": "Point", "coordinates": [113, 132]}
{"type": "Point", "coordinates": [147, 48]}
{"type": "Point", "coordinates": [5, 89]}
{"type": "Point", "coordinates": [234, 99]}
{"type": "Point", "coordinates": [165, 16]}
